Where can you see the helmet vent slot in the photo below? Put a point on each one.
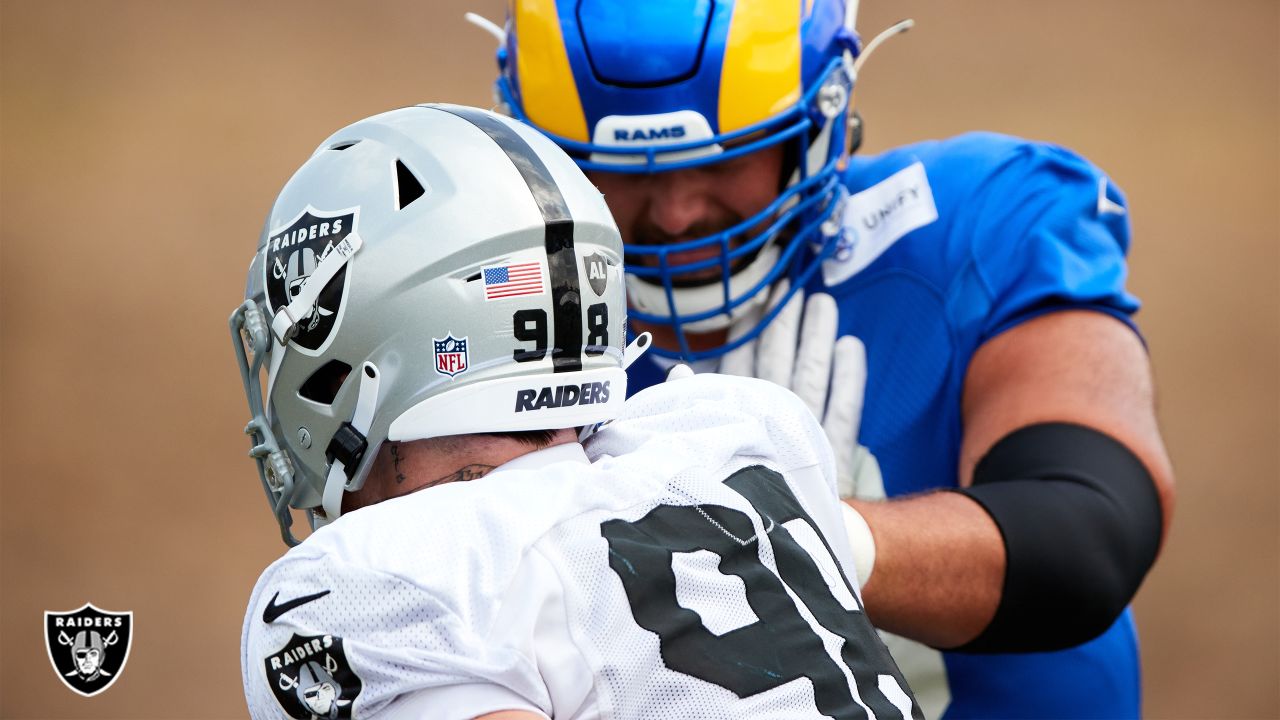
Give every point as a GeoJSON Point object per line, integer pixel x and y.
{"type": "Point", "coordinates": [323, 385]}
{"type": "Point", "coordinates": [344, 145]}
{"type": "Point", "coordinates": [408, 188]}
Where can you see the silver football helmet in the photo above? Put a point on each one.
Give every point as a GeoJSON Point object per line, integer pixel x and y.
{"type": "Point", "coordinates": [434, 270]}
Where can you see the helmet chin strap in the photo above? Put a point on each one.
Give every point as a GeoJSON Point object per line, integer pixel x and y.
{"type": "Point", "coordinates": [349, 442]}
{"type": "Point", "coordinates": [351, 437]}
{"type": "Point", "coordinates": [651, 297]}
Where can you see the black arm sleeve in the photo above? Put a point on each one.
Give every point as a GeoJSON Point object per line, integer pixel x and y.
{"type": "Point", "coordinates": [1081, 522]}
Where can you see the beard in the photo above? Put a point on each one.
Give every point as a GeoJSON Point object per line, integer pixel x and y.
{"type": "Point", "coordinates": [649, 235]}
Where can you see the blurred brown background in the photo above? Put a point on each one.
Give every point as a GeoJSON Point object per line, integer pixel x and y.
{"type": "Point", "coordinates": [142, 142]}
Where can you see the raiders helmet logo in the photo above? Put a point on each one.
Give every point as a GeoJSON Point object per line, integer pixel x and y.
{"type": "Point", "coordinates": [597, 271]}
{"type": "Point", "coordinates": [293, 252]}
{"type": "Point", "coordinates": [88, 647]}
{"type": "Point", "coordinates": [311, 678]}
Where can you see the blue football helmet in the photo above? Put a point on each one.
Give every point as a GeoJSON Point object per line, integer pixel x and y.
{"type": "Point", "coordinates": [648, 87]}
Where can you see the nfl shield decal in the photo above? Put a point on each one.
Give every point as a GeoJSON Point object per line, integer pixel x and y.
{"type": "Point", "coordinates": [293, 252]}
{"type": "Point", "coordinates": [311, 677]}
{"type": "Point", "coordinates": [597, 269]}
{"type": "Point", "coordinates": [451, 355]}
{"type": "Point", "coordinates": [88, 647]}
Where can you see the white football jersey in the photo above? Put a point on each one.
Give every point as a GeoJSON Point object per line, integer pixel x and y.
{"type": "Point", "coordinates": [691, 562]}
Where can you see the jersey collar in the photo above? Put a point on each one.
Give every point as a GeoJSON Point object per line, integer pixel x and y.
{"type": "Point", "coordinates": [565, 452]}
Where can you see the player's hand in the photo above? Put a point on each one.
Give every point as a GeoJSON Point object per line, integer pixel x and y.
{"type": "Point", "coordinates": [800, 351]}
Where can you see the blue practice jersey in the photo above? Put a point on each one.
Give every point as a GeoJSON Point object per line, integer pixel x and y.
{"type": "Point", "coordinates": [947, 244]}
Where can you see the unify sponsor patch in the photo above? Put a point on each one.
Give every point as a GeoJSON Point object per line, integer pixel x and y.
{"type": "Point", "coordinates": [556, 396]}
{"type": "Point", "coordinates": [876, 218]}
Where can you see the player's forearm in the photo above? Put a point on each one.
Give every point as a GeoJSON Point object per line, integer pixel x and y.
{"type": "Point", "coordinates": [939, 567]}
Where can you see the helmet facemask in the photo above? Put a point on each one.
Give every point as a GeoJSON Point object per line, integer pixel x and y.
{"type": "Point", "coordinates": [727, 80]}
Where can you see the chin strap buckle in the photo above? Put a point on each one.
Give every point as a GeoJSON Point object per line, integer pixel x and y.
{"type": "Point", "coordinates": [349, 444]}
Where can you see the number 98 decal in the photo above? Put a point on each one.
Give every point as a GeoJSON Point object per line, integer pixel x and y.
{"type": "Point", "coordinates": [530, 325]}
{"type": "Point", "coordinates": [781, 645]}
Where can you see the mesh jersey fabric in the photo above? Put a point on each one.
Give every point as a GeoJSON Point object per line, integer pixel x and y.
{"type": "Point", "coordinates": [528, 588]}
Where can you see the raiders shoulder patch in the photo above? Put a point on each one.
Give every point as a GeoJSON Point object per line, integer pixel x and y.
{"type": "Point", "coordinates": [311, 678]}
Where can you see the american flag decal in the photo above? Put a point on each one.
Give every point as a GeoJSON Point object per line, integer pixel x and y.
{"type": "Point", "coordinates": [513, 280]}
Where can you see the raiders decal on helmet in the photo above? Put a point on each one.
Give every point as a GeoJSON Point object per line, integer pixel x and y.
{"type": "Point", "coordinates": [293, 252]}
{"type": "Point", "coordinates": [88, 647]}
{"type": "Point", "coordinates": [597, 270]}
{"type": "Point", "coordinates": [560, 396]}
{"type": "Point", "coordinates": [311, 678]}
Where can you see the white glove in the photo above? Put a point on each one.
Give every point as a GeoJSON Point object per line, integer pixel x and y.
{"type": "Point", "coordinates": [679, 372]}
{"type": "Point", "coordinates": [828, 374]}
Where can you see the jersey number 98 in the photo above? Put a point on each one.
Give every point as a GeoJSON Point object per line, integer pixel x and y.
{"type": "Point", "coordinates": [781, 645]}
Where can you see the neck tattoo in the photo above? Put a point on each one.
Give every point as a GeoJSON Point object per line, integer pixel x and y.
{"type": "Point", "coordinates": [467, 472]}
{"type": "Point", "coordinates": [395, 456]}
{"type": "Point", "coordinates": [474, 471]}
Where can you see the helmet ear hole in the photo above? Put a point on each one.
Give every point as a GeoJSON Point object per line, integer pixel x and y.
{"type": "Point", "coordinates": [323, 385]}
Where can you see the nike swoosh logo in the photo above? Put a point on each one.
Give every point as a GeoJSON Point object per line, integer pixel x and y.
{"type": "Point", "coordinates": [274, 611]}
